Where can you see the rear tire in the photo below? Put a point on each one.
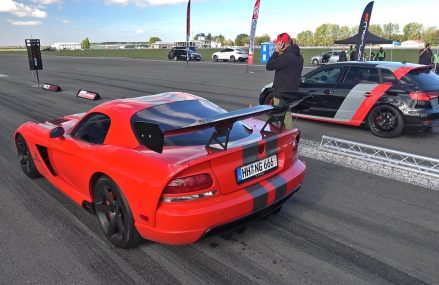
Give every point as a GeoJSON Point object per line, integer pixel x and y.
{"type": "Point", "coordinates": [215, 58]}
{"type": "Point", "coordinates": [25, 158]}
{"type": "Point", "coordinates": [175, 58]}
{"type": "Point", "coordinates": [385, 121]}
{"type": "Point", "coordinates": [114, 214]}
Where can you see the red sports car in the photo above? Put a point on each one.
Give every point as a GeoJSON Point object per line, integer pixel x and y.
{"type": "Point", "coordinates": [171, 167]}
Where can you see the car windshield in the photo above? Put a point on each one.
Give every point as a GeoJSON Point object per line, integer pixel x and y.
{"type": "Point", "coordinates": [181, 114]}
{"type": "Point", "coordinates": [424, 78]}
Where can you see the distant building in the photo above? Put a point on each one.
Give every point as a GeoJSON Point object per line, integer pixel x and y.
{"type": "Point", "coordinates": [66, 46]}
{"type": "Point", "coordinates": [413, 44]}
{"type": "Point", "coordinates": [192, 43]}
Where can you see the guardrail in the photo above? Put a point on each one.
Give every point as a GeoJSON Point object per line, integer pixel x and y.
{"type": "Point", "coordinates": [407, 161]}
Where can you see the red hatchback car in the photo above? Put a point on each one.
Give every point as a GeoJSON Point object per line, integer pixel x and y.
{"type": "Point", "coordinates": [170, 167]}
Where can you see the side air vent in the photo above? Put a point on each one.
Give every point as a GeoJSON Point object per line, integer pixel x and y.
{"type": "Point", "coordinates": [43, 152]}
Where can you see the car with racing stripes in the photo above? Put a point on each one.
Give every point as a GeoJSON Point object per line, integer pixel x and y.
{"type": "Point", "coordinates": [171, 167]}
{"type": "Point", "coordinates": [386, 97]}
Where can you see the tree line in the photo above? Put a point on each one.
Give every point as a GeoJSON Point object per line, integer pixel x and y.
{"type": "Point", "coordinates": [326, 34]}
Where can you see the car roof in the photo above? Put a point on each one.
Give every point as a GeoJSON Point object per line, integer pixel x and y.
{"type": "Point", "coordinates": [381, 64]}
{"type": "Point", "coordinates": [133, 105]}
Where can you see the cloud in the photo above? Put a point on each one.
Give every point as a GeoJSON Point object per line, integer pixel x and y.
{"type": "Point", "coordinates": [64, 21]}
{"type": "Point", "coordinates": [144, 3]}
{"type": "Point", "coordinates": [47, 2]}
{"type": "Point", "coordinates": [24, 23]}
{"type": "Point", "coordinates": [21, 10]}
{"type": "Point", "coordinates": [139, 32]}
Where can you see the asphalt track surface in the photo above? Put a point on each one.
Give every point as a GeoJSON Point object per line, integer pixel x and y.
{"type": "Point", "coordinates": [343, 227]}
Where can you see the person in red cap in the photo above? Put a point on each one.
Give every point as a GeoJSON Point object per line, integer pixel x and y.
{"type": "Point", "coordinates": [287, 62]}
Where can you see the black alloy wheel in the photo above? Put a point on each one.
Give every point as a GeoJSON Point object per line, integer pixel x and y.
{"type": "Point", "coordinates": [25, 158]}
{"type": "Point", "coordinates": [114, 214]}
{"type": "Point", "coordinates": [385, 121]}
{"type": "Point", "coordinates": [269, 99]}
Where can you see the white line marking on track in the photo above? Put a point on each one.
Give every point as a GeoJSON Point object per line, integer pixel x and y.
{"type": "Point", "coordinates": [310, 149]}
{"type": "Point", "coordinates": [3, 75]}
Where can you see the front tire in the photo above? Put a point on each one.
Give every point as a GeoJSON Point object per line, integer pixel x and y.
{"type": "Point", "coordinates": [315, 62]}
{"type": "Point", "coordinates": [114, 214]}
{"type": "Point", "coordinates": [215, 58]}
{"type": "Point", "coordinates": [232, 59]}
{"type": "Point", "coordinates": [175, 58]}
{"type": "Point", "coordinates": [25, 158]}
{"type": "Point", "coordinates": [385, 121]}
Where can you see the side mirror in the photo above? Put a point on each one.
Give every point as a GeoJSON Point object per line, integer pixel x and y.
{"type": "Point", "coordinates": [57, 132]}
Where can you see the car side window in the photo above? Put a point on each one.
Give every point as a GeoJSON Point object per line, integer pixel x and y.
{"type": "Point", "coordinates": [93, 129]}
{"type": "Point", "coordinates": [389, 77]}
{"type": "Point", "coordinates": [327, 75]}
{"type": "Point", "coordinates": [358, 74]}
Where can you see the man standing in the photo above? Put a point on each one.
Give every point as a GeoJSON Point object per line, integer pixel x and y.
{"type": "Point", "coordinates": [425, 55]}
{"type": "Point", "coordinates": [342, 55]}
{"type": "Point", "coordinates": [381, 55]}
{"type": "Point", "coordinates": [287, 62]}
{"type": "Point", "coordinates": [436, 61]}
{"type": "Point", "coordinates": [351, 48]}
{"type": "Point", "coordinates": [352, 54]}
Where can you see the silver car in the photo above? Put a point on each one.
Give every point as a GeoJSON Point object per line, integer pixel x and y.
{"type": "Point", "coordinates": [325, 58]}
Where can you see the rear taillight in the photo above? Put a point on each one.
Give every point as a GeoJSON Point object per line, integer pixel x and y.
{"type": "Point", "coordinates": [188, 188]}
{"type": "Point", "coordinates": [423, 96]}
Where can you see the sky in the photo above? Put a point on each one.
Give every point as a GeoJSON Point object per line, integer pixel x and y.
{"type": "Point", "coordinates": [137, 20]}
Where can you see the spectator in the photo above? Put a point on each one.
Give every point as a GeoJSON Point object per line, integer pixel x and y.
{"type": "Point", "coordinates": [425, 55]}
{"type": "Point", "coordinates": [351, 48]}
{"type": "Point", "coordinates": [342, 56]}
{"type": "Point", "coordinates": [436, 60]}
{"type": "Point", "coordinates": [381, 55]}
{"type": "Point", "coordinates": [352, 54]}
{"type": "Point", "coordinates": [287, 62]}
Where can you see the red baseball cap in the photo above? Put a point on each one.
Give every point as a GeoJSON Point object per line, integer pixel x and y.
{"type": "Point", "coordinates": [284, 37]}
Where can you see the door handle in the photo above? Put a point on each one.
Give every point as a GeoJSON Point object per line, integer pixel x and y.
{"type": "Point", "coordinates": [327, 92]}
{"type": "Point", "coordinates": [367, 94]}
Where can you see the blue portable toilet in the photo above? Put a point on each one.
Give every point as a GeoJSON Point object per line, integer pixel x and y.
{"type": "Point", "coordinates": [267, 50]}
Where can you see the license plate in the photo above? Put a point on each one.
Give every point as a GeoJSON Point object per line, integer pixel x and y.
{"type": "Point", "coordinates": [256, 168]}
{"type": "Point", "coordinates": [435, 103]}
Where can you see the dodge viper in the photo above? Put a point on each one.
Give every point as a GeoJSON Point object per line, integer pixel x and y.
{"type": "Point", "coordinates": [170, 167]}
{"type": "Point", "coordinates": [388, 97]}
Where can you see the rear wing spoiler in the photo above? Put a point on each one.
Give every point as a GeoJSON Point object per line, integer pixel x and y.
{"type": "Point", "coordinates": [153, 137]}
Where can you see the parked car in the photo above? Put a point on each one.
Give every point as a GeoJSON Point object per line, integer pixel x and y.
{"type": "Point", "coordinates": [180, 53]}
{"type": "Point", "coordinates": [170, 167]}
{"type": "Point", "coordinates": [230, 54]}
{"type": "Point", "coordinates": [388, 97]}
{"type": "Point", "coordinates": [325, 58]}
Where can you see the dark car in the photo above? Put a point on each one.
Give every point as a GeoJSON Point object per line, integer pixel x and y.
{"type": "Point", "coordinates": [388, 97]}
{"type": "Point", "coordinates": [180, 53]}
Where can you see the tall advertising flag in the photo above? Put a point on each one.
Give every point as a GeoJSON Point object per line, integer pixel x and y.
{"type": "Point", "coordinates": [362, 30]}
{"type": "Point", "coordinates": [253, 32]}
{"type": "Point", "coordinates": [188, 29]}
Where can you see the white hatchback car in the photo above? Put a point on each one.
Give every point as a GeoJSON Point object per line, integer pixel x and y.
{"type": "Point", "coordinates": [230, 54]}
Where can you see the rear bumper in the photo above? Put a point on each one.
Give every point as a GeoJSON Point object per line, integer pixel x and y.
{"type": "Point", "coordinates": [187, 222]}
{"type": "Point", "coordinates": [423, 119]}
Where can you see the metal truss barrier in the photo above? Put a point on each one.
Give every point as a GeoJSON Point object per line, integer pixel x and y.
{"type": "Point", "coordinates": [407, 161]}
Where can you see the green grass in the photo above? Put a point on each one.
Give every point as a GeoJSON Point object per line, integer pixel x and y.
{"type": "Point", "coordinates": [410, 55]}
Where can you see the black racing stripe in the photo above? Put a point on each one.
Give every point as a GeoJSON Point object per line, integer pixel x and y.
{"type": "Point", "coordinates": [250, 153]}
{"type": "Point", "coordinates": [280, 186]}
{"type": "Point", "coordinates": [271, 146]}
{"type": "Point", "coordinates": [260, 196]}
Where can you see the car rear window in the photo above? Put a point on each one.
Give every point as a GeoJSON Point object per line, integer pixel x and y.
{"type": "Point", "coordinates": [424, 78]}
{"type": "Point", "coordinates": [181, 114]}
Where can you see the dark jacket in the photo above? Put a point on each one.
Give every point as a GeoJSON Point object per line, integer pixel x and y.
{"type": "Point", "coordinates": [288, 70]}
